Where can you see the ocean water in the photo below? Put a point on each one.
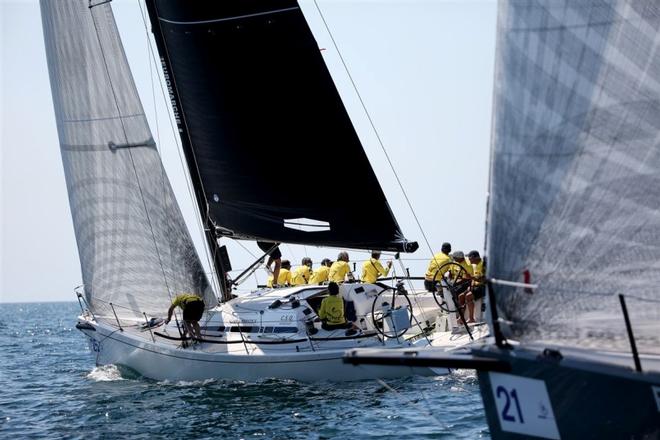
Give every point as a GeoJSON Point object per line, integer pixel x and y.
{"type": "Point", "coordinates": [50, 388]}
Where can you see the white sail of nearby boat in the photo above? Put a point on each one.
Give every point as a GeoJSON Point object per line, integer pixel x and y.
{"type": "Point", "coordinates": [572, 226]}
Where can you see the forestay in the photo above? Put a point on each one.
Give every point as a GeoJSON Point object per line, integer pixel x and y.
{"type": "Point", "coordinates": [575, 178]}
{"type": "Point", "coordinates": [265, 131]}
{"type": "Point", "coordinates": [134, 247]}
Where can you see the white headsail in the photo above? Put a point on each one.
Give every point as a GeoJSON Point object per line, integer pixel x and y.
{"type": "Point", "coordinates": [135, 250]}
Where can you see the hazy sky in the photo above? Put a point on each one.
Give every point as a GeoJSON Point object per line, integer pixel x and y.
{"type": "Point", "coordinates": [424, 69]}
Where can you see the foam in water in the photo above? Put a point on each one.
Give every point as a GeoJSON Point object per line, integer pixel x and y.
{"type": "Point", "coordinates": [187, 383]}
{"type": "Point", "coordinates": [105, 373]}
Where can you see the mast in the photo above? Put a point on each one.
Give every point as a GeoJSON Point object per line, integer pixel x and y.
{"type": "Point", "coordinates": [186, 144]}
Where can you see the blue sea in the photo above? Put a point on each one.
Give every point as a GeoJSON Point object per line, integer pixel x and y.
{"type": "Point", "coordinates": [52, 389]}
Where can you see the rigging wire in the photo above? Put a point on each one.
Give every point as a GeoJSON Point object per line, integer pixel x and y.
{"type": "Point", "coordinates": [165, 192]}
{"type": "Point", "coordinates": [186, 172]}
{"type": "Point", "coordinates": [380, 142]}
{"type": "Point", "coordinates": [256, 279]}
{"type": "Point", "coordinates": [291, 251]}
{"type": "Point", "coordinates": [373, 126]}
{"type": "Point", "coordinates": [130, 152]}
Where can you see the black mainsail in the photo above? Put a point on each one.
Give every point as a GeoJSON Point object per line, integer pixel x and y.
{"type": "Point", "coordinates": [270, 145]}
{"type": "Point", "coordinates": [135, 250]}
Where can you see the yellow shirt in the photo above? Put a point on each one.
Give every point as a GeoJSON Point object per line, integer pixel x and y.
{"type": "Point", "coordinates": [478, 272]}
{"type": "Point", "coordinates": [465, 264]}
{"type": "Point", "coordinates": [183, 299]}
{"type": "Point", "coordinates": [438, 260]}
{"type": "Point", "coordinates": [283, 278]}
{"type": "Point", "coordinates": [301, 275]}
{"type": "Point", "coordinates": [320, 275]}
{"type": "Point", "coordinates": [338, 271]}
{"type": "Point", "coordinates": [332, 310]}
{"type": "Point", "coordinates": [371, 269]}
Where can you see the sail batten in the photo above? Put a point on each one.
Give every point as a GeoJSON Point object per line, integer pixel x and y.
{"type": "Point", "coordinates": [574, 171]}
{"type": "Point", "coordinates": [135, 250]}
{"type": "Point", "coordinates": [264, 128]}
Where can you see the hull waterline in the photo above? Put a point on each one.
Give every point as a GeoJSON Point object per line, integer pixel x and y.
{"type": "Point", "coordinates": [162, 361]}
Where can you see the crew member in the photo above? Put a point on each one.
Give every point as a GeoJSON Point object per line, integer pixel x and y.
{"type": "Point", "coordinates": [461, 278]}
{"type": "Point", "coordinates": [303, 273]}
{"type": "Point", "coordinates": [193, 309]}
{"type": "Point", "coordinates": [433, 274]}
{"type": "Point", "coordinates": [331, 311]}
{"type": "Point", "coordinates": [340, 270]}
{"type": "Point", "coordinates": [274, 256]}
{"type": "Point", "coordinates": [478, 287]}
{"type": "Point", "coordinates": [372, 269]}
{"type": "Point", "coordinates": [321, 274]}
{"type": "Point", "coordinates": [285, 275]}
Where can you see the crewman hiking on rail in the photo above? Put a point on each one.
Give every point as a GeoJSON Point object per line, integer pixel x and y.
{"type": "Point", "coordinates": [321, 274]}
{"type": "Point", "coordinates": [340, 270]}
{"type": "Point", "coordinates": [372, 269]}
{"type": "Point", "coordinates": [193, 309]}
{"type": "Point", "coordinates": [285, 276]}
{"type": "Point", "coordinates": [303, 273]}
{"type": "Point", "coordinates": [433, 274]}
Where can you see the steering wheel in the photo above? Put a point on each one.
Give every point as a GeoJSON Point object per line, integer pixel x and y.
{"type": "Point", "coordinates": [455, 278]}
{"type": "Point", "coordinates": [379, 323]}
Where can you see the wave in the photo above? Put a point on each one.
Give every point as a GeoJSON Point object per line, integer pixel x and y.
{"type": "Point", "coordinates": [105, 373]}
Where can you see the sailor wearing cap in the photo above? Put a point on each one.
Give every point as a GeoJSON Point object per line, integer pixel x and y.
{"type": "Point", "coordinates": [477, 288]}
{"type": "Point", "coordinates": [459, 258]}
{"type": "Point", "coordinates": [433, 274]}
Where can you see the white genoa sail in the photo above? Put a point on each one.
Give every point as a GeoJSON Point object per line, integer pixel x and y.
{"type": "Point", "coordinates": [575, 185]}
{"type": "Point", "coordinates": [135, 250]}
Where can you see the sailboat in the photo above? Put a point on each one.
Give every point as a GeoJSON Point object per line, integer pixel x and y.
{"type": "Point", "coordinates": [250, 95]}
{"type": "Point", "coordinates": [573, 239]}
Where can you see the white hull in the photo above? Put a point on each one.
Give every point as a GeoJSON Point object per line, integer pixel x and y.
{"type": "Point", "coordinates": [162, 361]}
{"type": "Point", "coordinates": [274, 334]}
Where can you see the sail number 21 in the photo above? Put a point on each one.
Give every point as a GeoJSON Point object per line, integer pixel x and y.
{"type": "Point", "coordinates": [507, 415]}
{"type": "Point", "coordinates": [515, 395]}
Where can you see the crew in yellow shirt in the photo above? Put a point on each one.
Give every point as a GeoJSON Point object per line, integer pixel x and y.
{"type": "Point", "coordinates": [321, 274]}
{"type": "Point", "coordinates": [433, 274]}
{"type": "Point", "coordinates": [477, 267]}
{"type": "Point", "coordinates": [459, 258]}
{"type": "Point", "coordinates": [303, 273]}
{"type": "Point", "coordinates": [478, 287]}
{"type": "Point", "coordinates": [372, 269]}
{"type": "Point", "coordinates": [331, 311]}
{"type": "Point", "coordinates": [284, 279]}
{"type": "Point", "coordinates": [340, 269]}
